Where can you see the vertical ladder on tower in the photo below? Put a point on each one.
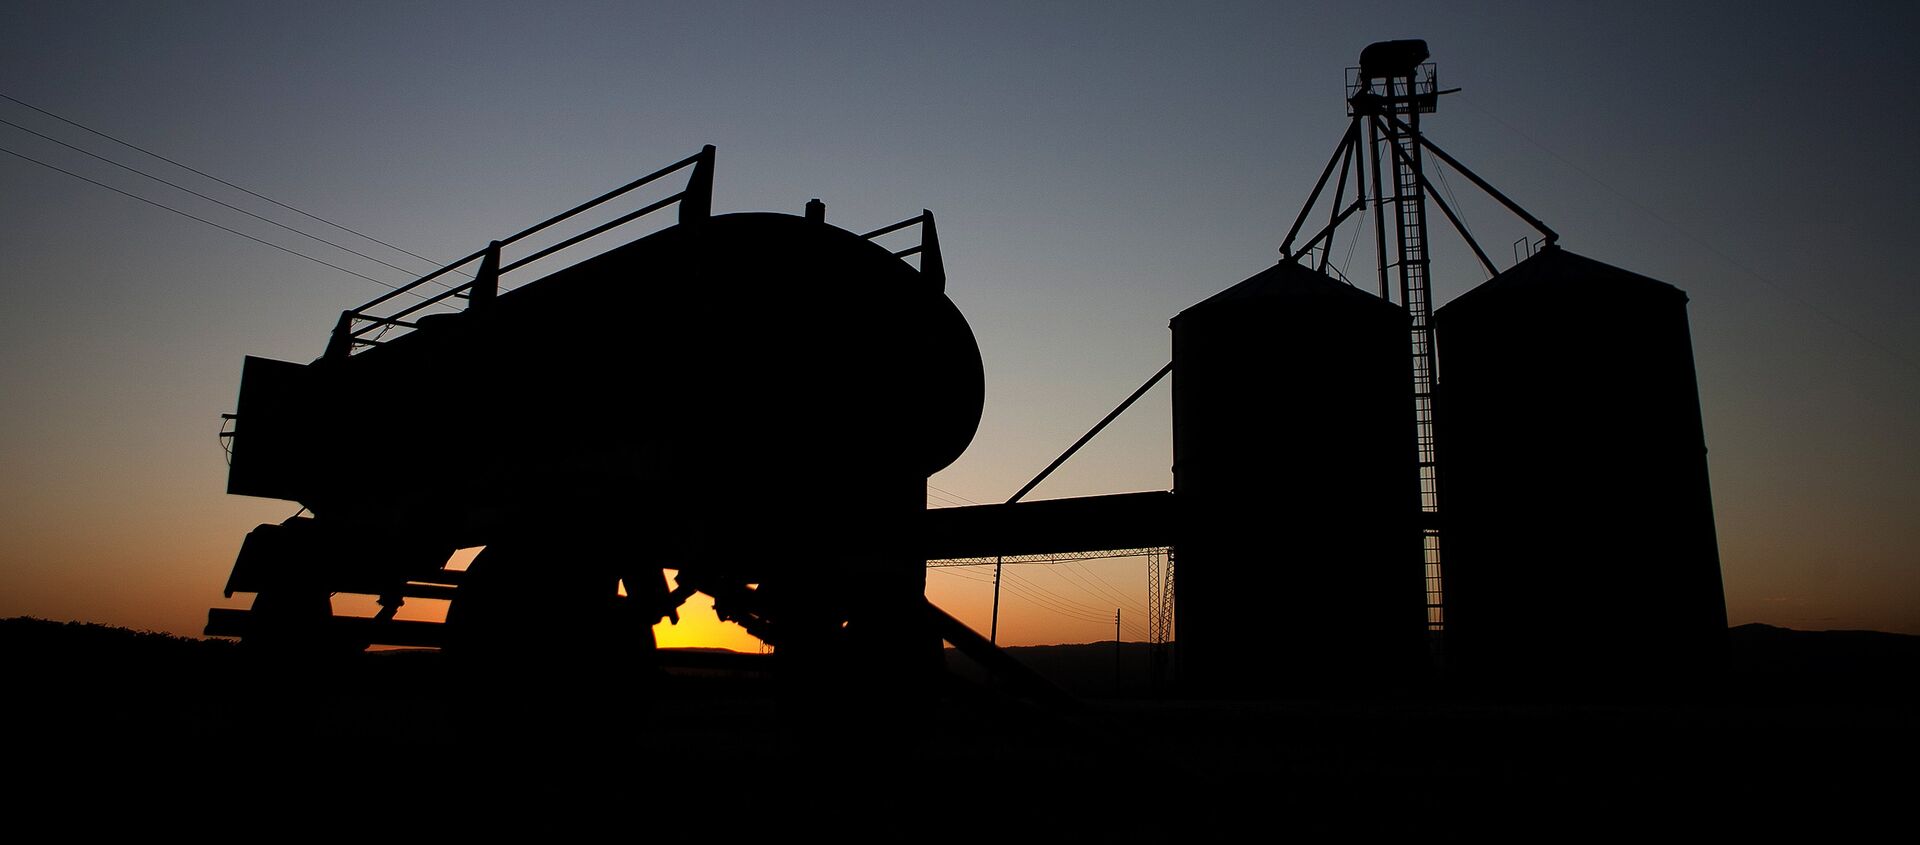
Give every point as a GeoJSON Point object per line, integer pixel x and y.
{"type": "Point", "coordinates": [1416, 292]}
{"type": "Point", "coordinates": [1386, 95]}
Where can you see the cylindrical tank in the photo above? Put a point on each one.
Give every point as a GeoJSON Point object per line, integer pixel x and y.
{"type": "Point", "coordinates": [1579, 538]}
{"type": "Point", "coordinates": [759, 397]}
{"type": "Point", "coordinates": [755, 364]}
{"type": "Point", "coordinates": [1298, 562]}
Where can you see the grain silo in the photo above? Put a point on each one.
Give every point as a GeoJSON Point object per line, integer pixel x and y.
{"type": "Point", "coordinates": [1580, 526]}
{"type": "Point", "coordinates": [1295, 471]}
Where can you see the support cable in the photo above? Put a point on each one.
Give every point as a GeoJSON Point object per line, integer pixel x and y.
{"type": "Point", "coordinates": [1460, 226]}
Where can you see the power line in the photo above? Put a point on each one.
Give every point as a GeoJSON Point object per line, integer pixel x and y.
{"type": "Point", "coordinates": [944, 500]}
{"type": "Point", "coordinates": [1044, 600]}
{"type": "Point", "coordinates": [1082, 572]}
{"type": "Point", "coordinates": [1109, 584]}
{"type": "Point", "coordinates": [256, 194]}
{"type": "Point", "coordinates": [192, 169]}
{"type": "Point", "coordinates": [202, 219]}
{"type": "Point", "coordinates": [178, 186]}
{"type": "Point", "coordinates": [1063, 600]}
{"type": "Point", "coordinates": [1040, 597]}
{"type": "Point", "coordinates": [1080, 582]}
{"type": "Point", "coordinates": [953, 494]}
{"type": "Point", "coordinates": [1049, 601]}
{"type": "Point", "coordinates": [1036, 598]}
{"type": "Point", "coordinates": [964, 575]}
{"type": "Point", "coordinates": [1076, 616]}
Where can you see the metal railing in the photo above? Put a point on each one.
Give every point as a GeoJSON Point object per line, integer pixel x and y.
{"type": "Point", "coordinates": [356, 325]}
{"type": "Point", "coordinates": [931, 265]}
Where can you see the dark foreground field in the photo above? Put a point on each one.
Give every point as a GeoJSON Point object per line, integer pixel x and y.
{"type": "Point", "coordinates": [1812, 734]}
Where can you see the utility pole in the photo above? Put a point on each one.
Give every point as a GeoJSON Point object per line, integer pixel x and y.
{"type": "Point", "coordinates": [993, 632]}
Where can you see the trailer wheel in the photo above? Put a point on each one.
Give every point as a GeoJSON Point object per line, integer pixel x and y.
{"type": "Point", "coordinates": [292, 621]}
{"type": "Point", "coordinates": [545, 604]}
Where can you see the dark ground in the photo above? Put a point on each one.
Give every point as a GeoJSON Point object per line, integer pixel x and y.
{"type": "Point", "coordinates": [1811, 734]}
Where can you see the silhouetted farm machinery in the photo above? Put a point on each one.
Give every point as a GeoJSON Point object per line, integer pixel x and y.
{"type": "Point", "coordinates": [610, 421]}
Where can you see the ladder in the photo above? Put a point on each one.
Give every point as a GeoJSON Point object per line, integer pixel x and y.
{"type": "Point", "coordinates": [1416, 291]}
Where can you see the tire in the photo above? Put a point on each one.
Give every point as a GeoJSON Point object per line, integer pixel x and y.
{"type": "Point", "coordinates": [544, 604]}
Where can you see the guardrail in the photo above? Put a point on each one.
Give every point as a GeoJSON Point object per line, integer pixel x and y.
{"type": "Point", "coordinates": [696, 203]}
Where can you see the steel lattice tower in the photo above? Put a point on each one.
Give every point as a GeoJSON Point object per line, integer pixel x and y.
{"type": "Point", "coordinates": [1160, 609]}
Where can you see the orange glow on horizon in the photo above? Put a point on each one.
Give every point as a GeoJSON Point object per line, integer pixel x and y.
{"type": "Point", "coordinates": [699, 625]}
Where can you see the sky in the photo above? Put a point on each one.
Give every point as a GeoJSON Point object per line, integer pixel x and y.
{"type": "Point", "coordinates": [1095, 168]}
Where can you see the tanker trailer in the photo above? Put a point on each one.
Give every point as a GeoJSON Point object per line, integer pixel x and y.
{"type": "Point", "coordinates": [753, 399]}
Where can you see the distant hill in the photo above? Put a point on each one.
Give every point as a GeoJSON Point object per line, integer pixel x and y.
{"type": "Point", "coordinates": [26, 640]}
{"type": "Point", "coordinates": [1807, 664]}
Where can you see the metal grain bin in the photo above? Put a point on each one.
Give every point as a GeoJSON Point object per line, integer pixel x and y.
{"type": "Point", "coordinates": [1299, 557]}
{"type": "Point", "coordinates": [1578, 522]}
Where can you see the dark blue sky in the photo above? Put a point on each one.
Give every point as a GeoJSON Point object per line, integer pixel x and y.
{"type": "Point", "coordinates": [1095, 168]}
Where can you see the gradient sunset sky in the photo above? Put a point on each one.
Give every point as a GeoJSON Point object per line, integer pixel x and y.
{"type": "Point", "coordinates": [1095, 168]}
